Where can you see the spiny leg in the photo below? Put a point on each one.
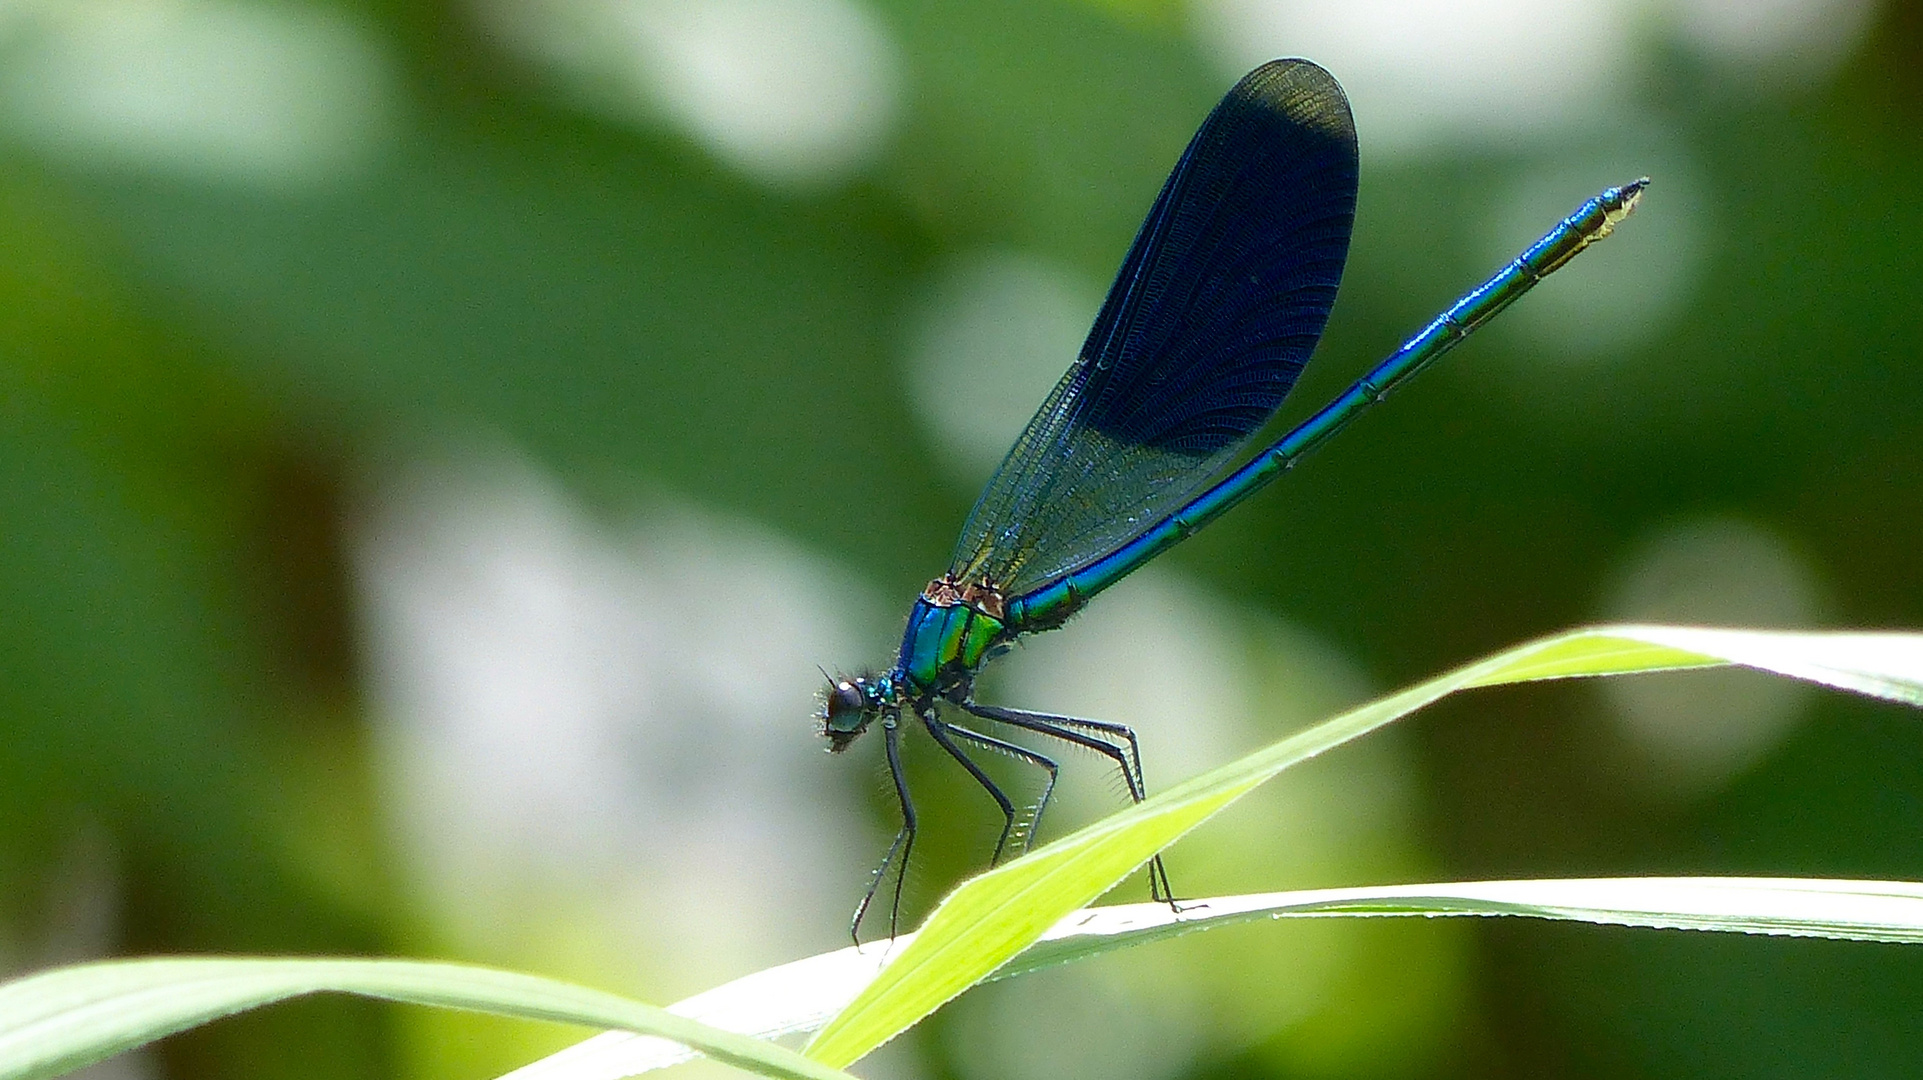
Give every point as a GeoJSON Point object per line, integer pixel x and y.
{"type": "Point", "coordinates": [904, 839]}
{"type": "Point", "coordinates": [1129, 761]}
{"type": "Point", "coordinates": [1139, 789]}
{"type": "Point", "coordinates": [939, 731]}
{"type": "Point", "coordinates": [935, 729]}
{"type": "Point", "coordinates": [1022, 753]}
{"type": "Point", "coordinates": [1072, 729]}
{"type": "Point", "coordinates": [1159, 888]}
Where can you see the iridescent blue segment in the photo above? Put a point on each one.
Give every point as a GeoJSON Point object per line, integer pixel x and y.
{"type": "Point", "coordinates": [1217, 307]}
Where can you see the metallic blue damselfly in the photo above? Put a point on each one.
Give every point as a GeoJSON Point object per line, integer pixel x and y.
{"type": "Point", "coordinates": [1219, 302]}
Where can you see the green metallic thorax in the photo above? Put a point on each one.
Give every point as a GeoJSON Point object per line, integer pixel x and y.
{"type": "Point", "coordinates": [952, 631]}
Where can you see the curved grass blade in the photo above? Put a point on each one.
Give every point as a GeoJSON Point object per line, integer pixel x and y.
{"type": "Point", "coordinates": [1833, 908]}
{"type": "Point", "coordinates": [801, 995]}
{"type": "Point", "coordinates": [60, 1020]}
{"type": "Point", "coordinates": [992, 918]}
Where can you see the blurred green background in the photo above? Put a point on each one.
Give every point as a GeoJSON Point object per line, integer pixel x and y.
{"type": "Point", "coordinates": [441, 440]}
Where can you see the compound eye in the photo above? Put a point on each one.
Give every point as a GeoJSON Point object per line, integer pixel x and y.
{"type": "Point", "coordinates": [846, 707]}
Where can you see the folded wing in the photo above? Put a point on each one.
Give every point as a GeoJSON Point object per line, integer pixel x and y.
{"type": "Point", "coordinates": [1216, 309]}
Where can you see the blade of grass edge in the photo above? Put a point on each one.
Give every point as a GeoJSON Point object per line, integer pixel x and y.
{"type": "Point", "coordinates": [1833, 908]}
{"type": "Point", "coordinates": [59, 1020]}
{"type": "Point", "coordinates": [993, 917]}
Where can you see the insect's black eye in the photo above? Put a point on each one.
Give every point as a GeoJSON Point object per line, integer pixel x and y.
{"type": "Point", "coordinates": [845, 713]}
{"type": "Point", "coordinates": [844, 700]}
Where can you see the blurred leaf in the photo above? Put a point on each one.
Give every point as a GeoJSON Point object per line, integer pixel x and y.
{"type": "Point", "coordinates": [139, 706]}
{"type": "Point", "coordinates": [1054, 140]}
{"type": "Point", "coordinates": [629, 319]}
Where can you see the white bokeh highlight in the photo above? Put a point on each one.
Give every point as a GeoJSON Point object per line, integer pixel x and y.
{"type": "Point", "coordinates": [791, 92]}
{"type": "Point", "coordinates": [991, 334]}
{"type": "Point", "coordinates": [257, 93]}
{"type": "Point", "coordinates": [598, 742]}
{"type": "Point", "coordinates": [1419, 73]}
{"type": "Point", "coordinates": [1429, 73]}
{"type": "Point", "coordinates": [1799, 37]}
{"type": "Point", "coordinates": [1699, 729]}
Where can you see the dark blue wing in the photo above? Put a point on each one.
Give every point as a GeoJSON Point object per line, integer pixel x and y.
{"type": "Point", "coordinates": [1216, 309]}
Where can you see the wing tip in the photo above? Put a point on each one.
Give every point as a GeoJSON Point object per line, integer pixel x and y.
{"type": "Point", "coordinates": [1305, 91]}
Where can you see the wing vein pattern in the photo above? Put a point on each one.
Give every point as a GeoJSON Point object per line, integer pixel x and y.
{"type": "Point", "coordinates": [1217, 307]}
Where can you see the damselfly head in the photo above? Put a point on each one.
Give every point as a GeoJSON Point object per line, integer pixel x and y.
{"type": "Point", "coordinates": [847, 707]}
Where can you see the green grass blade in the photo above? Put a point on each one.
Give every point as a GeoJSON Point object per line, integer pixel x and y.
{"type": "Point", "coordinates": [1885, 665]}
{"type": "Point", "coordinates": [800, 996]}
{"type": "Point", "coordinates": [990, 919]}
{"type": "Point", "coordinates": [1838, 909]}
{"type": "Point", "coordinates": [60, 1020]}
